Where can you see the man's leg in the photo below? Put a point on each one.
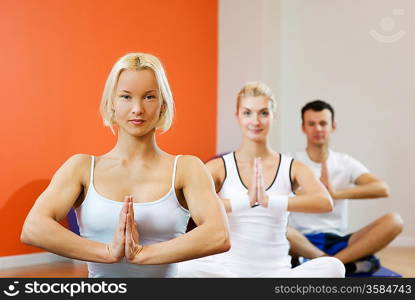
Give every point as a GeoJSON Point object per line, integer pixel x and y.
{"type": "Point", "coordinates": [301, 246]}
{"type": "Point", "coordinates": [371, 238]}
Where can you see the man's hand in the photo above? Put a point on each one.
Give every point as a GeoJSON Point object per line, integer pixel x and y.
{"type": "Point", "coordinates": [325, 179]}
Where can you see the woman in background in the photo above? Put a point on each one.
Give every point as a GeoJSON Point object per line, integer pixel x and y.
{"type": "Point", "coordinates": [255, 184]}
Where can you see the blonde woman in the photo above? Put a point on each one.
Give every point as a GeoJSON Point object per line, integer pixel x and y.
{"type": "Point", "coordinates": [132, 203]}
{"type": "Point", "coordinates": [255, 184]}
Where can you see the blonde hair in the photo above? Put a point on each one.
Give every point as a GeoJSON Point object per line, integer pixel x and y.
{"type": "Point", "coordinates": [138, 61]}
{"type": "Point", "coordinates": [256, 89]}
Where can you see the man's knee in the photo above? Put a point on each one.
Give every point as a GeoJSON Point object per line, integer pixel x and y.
{"type": "Point", "coordinates": [394, 222]}
{"type": "Point", "coordinates": [293, 234]}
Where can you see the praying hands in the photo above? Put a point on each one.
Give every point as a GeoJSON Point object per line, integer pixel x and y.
{"type": "Point", "coordinates": [126, 237]}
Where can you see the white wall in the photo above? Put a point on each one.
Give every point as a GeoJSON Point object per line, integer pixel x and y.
{"type": "Point", "coordinates": [324, 49]}
{"type": "Point", "coordinates": [248, 40]}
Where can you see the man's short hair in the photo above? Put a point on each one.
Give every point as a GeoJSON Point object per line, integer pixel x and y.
{"type": "Point", "coordinates": [317, 105]}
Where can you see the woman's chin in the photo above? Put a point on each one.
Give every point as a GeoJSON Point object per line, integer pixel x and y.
{"type": "Point", "coordinates": [139, 132]}
{"type": "Point", "coordinates": [257, 138]}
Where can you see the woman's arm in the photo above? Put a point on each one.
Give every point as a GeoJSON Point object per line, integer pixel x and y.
{"type": "Point", "coordinates": [313, 196]}
{"type": "Point", "coordinates": [211, 235]}
{"type": "Point", "coordinates": [217, 170]}
{"type": "Point", "coordinates": [42, 229]}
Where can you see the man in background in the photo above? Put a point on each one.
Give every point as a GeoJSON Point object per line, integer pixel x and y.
{"type": "Point", "coordinates": [315, 235]}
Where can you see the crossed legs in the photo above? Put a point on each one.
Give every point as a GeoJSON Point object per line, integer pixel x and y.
{"type": "Point", "coordinates": [363, 242]}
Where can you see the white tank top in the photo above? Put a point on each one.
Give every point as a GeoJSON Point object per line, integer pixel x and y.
{"type": "Point", "coordinates": [258, 237]}
{"type": "Point", "coordinates": [158, 221]}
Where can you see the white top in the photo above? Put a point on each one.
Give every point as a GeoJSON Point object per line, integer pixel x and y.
{"type": "Point", "coordinates": [343, 170]}
{"type": "Point", "coordinates": [158, 221]}
{"type": "Point", "coordinates": [258, 235]}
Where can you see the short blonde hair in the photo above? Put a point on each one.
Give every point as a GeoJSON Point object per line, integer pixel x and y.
{"type": "Point", "coordinates": [138, 61]}
{"type": "Point", "coordinates": [256, 89]}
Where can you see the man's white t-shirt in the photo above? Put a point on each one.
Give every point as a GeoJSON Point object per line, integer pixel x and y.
{"type": "Point", "coordinates": [343, 171]}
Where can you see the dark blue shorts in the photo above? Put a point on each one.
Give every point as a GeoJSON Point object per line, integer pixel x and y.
{"type": "Point", "coordinates": [330, 243]}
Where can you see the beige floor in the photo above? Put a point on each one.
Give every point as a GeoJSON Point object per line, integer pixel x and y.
{"type": "Point", "coordinates": [398, 259]}
{"type": "Point", "coordinates": [60, 269]}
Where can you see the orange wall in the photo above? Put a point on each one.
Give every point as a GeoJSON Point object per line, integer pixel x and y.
{"type": "Point", "coordinates": [54, 58]}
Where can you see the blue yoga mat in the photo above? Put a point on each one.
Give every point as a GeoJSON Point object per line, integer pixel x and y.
{"type": "Point", "coordinates": [72, 222]}
{"type": "Point", "coordinates": [382, 272]}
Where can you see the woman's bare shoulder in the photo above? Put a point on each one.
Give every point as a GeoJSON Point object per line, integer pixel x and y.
{"type": "Point", "coordinates": [215, 165]}
{"type": "Point", "coordinates": [77, 166]}
{"type": "Point", "coordinates": [190, 161]}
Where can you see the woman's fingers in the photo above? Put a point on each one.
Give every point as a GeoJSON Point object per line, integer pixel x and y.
{"type": "Point", "coordinates": [262, 197]}
{"type": "Point", "coordinates": [116, 248]}
{"type": "Point", "coordinates": [134, 226]}
{"type": "Point", "coordinates": [128, 237]}
{"type": "Point", "coordinates": [261, 176]}
{"type": "Point", "coordinates": [122, 224]}
{"type": "Point", "coordinates": [126, 204]}
{"type": "Point", "coordinates": [132, 222]}
{"type": "Point", "coordinates": [123, 211]}
{"type": "Point", "coordinates": [131, 201]}
{"type": "Point", "coordinates": [252, 191]}
{"type": "Point", "coordinates": [130, 218]}
{"type": "Point", "coordinates": [254, 177]}
{"type": "Point", "coordinates": [253, 187]}
{"type": "Point", "coordinates": [258, 179]}
{"type": "Point", "coordinates": [132, 245]}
